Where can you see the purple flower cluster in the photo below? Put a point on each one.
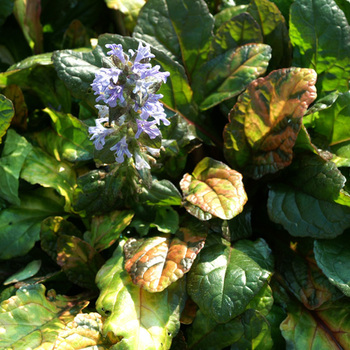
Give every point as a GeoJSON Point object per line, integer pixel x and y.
{"type": "Point", "coordinates": [130, 87]}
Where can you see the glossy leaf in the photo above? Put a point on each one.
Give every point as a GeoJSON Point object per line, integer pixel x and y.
{"type": "Point", "coordinates": [215, 189]}
{"type": "Point", "coordinates": [182, 29]}
{"type": "Point", "coordinates": [227, 75]}
{"type": "Point", "coordinates": [106, 229]}
{"type": "Point", "coordinates": [325, 328]}
{"type": "Point", "coordinates": [84, 332]}
{"type": "Point", "coordinates": [137, 318]}
{"type": "Point", "coordinates": [15, 151]}
{"type": "Point", "coordinates": [274, 29]}
{"type": "Point", "coordinates": [154, 263]}
{"type": "Point", "coordinates": [162, 192]}
{"type": "Point", "coordinates": [224, 280]}
{"type": "Point", "coordinates": [246, 331]}
{"type": "Point", "coordinates": [303, 215]}
{"type": "Point", "coordinates": [30, 270]}
{"type": "Point", "coordinates": [266, 119]}
{"type": "Point", "coordinates": [40, 168]}
{"type": "Point", "coordinates": [79, 260]}
{"type": "Point", "coordinates": [32, 320]}
{"type": "Point", "coordinates": [20, 225]}
{"type": "Point", "coordinates": [236, 31]}
{"type": "Point", "coordinates": [73, 142]}
{"type": "Point", "coordinates": [333, 257]}
{"type": "Point", "coordinates": [6, 114]}
{"type": "Point", "coordinates": [36, 73]}
{"type": "Point", "coordinates": [320, 35]}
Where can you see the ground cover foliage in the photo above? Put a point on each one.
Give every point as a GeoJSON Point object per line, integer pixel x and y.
{"type": "Point", "coordinates": [234, 236]}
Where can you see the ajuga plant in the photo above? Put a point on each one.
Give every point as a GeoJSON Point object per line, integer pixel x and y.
{"type": "Point", "coordinates": [174, 174]}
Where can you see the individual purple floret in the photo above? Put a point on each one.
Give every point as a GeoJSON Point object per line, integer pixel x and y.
{"type": "Point", "coordinates": [148, 127]}
{"type": "Point", "coordinates": [140, 163]}
{"type": "Point", "coordinates": [99, 133]}
{"type": "Point", "coordinates": [121, 149]}
{"type": "Point", "coordinates": [117, 50]}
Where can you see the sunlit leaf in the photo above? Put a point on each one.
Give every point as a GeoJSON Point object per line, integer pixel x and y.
{"type": "Point", "coordinates": [40, 168]}
{"type": "Point", "coordinates": [320, 35]}
{"type": "Point", "coordinates": [7, 112]}
{"type": "Point", "coordinates": [224, 280]}
{"type": "Point", "coordinates": [333, 257]}
{"type": "Point", "coordinates": [137, 318]}
{"type": "Point", "coordinates": [182, 29]}
{"type": "Point", "coordinates": [274, 29]}
{"type": "Point", "coordinates": [15, 151]}
{"type": "Point", "coordinates": [84, 332]}
{"type": "Point", "coordinates": [30, 319]}
{"type": "Point", "coordinates": [154, 263]}
{"type": "Point", "coordinates": [227, 75]}
{"type": "Point", "coordinates": [215, 189]}
{"type": "Point", "coordinates": [266, 119]}
{"type": "Point", "coordinates": [106, 229]}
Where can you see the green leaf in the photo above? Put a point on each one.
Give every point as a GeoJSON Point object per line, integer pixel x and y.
{"type": "Point", "coordinates": [106, 229]}
{"type": "Point", "coordinates": [305, 279]}
{"type": "Point", "coordinates": [274, 29]}
{"type": "Point", "coordinates": [237, 31]}
{"type": "Point", "coordinates": [52, 228]}
{"type": "Point", "coordinates": [82, 333]}
{"type": "Point", "coordinates": [36, 73]}
{"type": "Point", "coordinates": [162, 192]}
{"type": "Point", "coordinates": [73, 142]}
{"type": "Point", "coordinates": [7, 112]}
{"type": "Point", "coordinates": [30, 270]}
{"type": "Point", "coordinates": [227, 75]}
{"type": "Point", "coordinates": [320, 35]}
{"type": "Point", "coordinates": [228, 13]}
{"type": "Point", "coordinates": [20, 225]}
{"type": "Point", "coordinates": [248, 331]}
{"type": "Point", "coordinates": [40, 168]}
{"type": "Point", "coordinates": [30, 319]}
{"type": "Point", "coordinates": [28, 17]}
{"type": "Point", "coordinates": [182, 29]}
{"type": "Point", "coordinates": [333, 257]}
{"type": "Point", "coordinates": [138, 318]}
{"type": "Point", "coordinates": [224, 280]}
{"type": "Point", "coordinates": [97, 192]}
{"type": "Point", "coordinates": [6, 8]}
{"type": "Point", "coordinates": [259, 251]}
{"type": "Point", "coordinates": [215, 189]}
{"type": "Point", "coordinates": [327, 328]}
{"type": "Point", "coordinates": [303, 215]}
{"type": "Point", "coordinates": [78, 260]}
{"type": "Point", "coordinates": [12, 159]}
{"type": "Point", "coordinates": [265, 121]}
{"type": "Point", "coordinates": [316, 177]}
{"type": "Point", "coordinates": [156, 262]}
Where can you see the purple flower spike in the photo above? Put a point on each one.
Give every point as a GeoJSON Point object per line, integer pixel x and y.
{"type": "Point", "coordinates": [99, 133]}
{"type": "Point", "coordinates": [148, 127]}
{"type": "Point", "coordinates": [121, 149]}
{"type": "Point", "coordinates": [116, 50]}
